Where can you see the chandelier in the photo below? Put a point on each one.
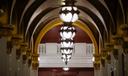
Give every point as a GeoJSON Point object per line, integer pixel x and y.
{"type": "Point", "coordinates": [68, 14]}
{"type": "Point", "coordinates": [67, 32]}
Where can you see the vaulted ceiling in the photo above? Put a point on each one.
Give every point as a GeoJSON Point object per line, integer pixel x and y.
{"type": "Point", "coordinates": [101, 17]}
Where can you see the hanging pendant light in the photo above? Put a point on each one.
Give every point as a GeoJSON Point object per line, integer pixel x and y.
{"type": "Point", "coordinates": [66, 50]}
{"type": "Point", "coordinates": [66, 43]}
{"type": "Point", "coordinates": [66, 58]}
{"type": "Point", "coordinates": [67, 32]}
{"type": "Point", "coordinates": [69, 12]}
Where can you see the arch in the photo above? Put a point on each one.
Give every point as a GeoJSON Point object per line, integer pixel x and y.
{"type": "Point", "coordinates": [58, 22]}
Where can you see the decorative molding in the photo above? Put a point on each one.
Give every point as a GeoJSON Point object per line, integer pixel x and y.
{"type": "Point", "coordinates": [117, 39]}
{"type": "Point", "coordinates": [35, 62]}
{"type": "Point", "coordinates": [104, 53]}
{"type": "Point", "coordinates": [17, 39]}
{"type": "Point", "coordinates": [97, 58]}
{"type": "Point", "coordinates": [124, 30]}
{"type": "Point", "coordinates": [24, 47]}
{"type": "Point", "coordinates": [28, 53]}
{"type": "Point", "coordinates": [6, 31]}
{"type": "Point", "coordinates": [29, 56]}
{"type": "Point", "coordinates": [109, 47]}
{"type": "Point", "coordinates": [96, 65]}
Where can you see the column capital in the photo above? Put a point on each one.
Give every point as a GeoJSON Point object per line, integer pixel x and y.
{"type": "Point", "coordinates": [97, 57]}
{"type": "Point", "coordinates": [35, 62]}
{"type": "Point", "coordinates": [24, 47]}
{"type": "Point", "coordinates": [109, 46]}
{"type": "Point", "coordinates": [104, 53]}
{"type": "Point", "coordinates": [96, 65]}
{"type": "Point", "coordinates": [124, 30]}
{"type": "Point", "coordinates": [6, 30]}
{"type": "Point", "coordinates": [117, 41]}
{"type": "Point", "coordinates": [17, 39]}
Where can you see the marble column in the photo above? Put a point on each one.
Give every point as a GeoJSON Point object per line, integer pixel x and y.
{"type": "Point", "coordinates": [3, 57]}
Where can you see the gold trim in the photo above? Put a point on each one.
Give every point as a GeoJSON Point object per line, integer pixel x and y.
{"type": "Point", "coordinates": [57, 22]}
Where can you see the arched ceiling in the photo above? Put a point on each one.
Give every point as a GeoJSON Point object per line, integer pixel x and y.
{"type": "Point", "coordinates": [31, 16]}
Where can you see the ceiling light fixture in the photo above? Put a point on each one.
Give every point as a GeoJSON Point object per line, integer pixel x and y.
{"type": "Point", "coordinates": [65, 68]}
{"type": "Point", "coordinates": [68, 14]}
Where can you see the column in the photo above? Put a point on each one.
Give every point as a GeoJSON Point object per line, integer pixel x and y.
{"type": "Point", "coordinates": [126, 64]}
{"type": "Point", "coordinates": [5, 35]}
{"type": "Point", "coordinates": [3, 57]}
{"type": "Point", "coordinates": [97, 65]}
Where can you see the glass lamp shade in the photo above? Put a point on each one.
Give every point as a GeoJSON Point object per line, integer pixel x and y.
{"type": "Point", "coordinates": [66, 57]}
{"type": "Point", "coordinates": [65, 68]}
{"type": "Point", "coordinates": [66, 43]}
{"type": "Point", "coordinates": [67, 32]}
{"type": "Point", "coordinates": [66, 50]}
{"type": "Point", "coordinates": [69, 13]}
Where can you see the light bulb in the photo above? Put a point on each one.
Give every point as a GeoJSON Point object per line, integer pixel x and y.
{"type": "Point", "coordinates": [65, 68]}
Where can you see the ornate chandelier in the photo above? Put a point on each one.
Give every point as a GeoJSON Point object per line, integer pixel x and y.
{"type": "Point", "coordinates": [68, 14]}
{"type": "Point", "coordinates": [67, 32]}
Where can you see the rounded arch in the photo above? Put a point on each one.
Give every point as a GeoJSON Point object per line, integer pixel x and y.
{"type": "Point", "coordinates": [58, 22]}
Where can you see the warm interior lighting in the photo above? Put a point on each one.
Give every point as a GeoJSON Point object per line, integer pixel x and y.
{"type": "Point", "coordinates": [67, 32]}
{"type": "Point", "coordinates": [66, 50]}
{"type": "Point", "coordinates": [65, 68]}
{"type": "Point", "coordinates": [93, 59]}
{"type": "Point", "coordinates": [69, 13]}
{"type": "Point", "coordinates": [66, 43]}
